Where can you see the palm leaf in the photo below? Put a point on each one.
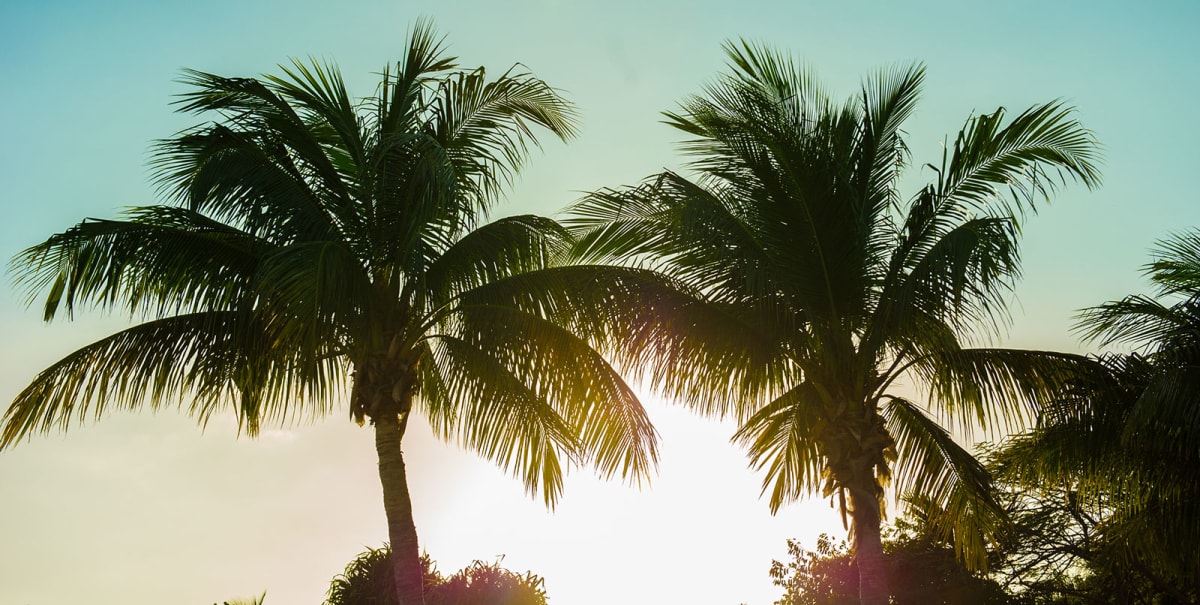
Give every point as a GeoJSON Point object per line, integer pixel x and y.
{"type": "Point", "coordinates": [485, 126]}
{"type": "Point", "coordinates": [1025, 158]}
{"type": "Point", "coordinates": [161, 260]}
{"type": "Point", "coordinates": [201, 361]}
{"type": "Point", "coordinates": [497, 250]}
{"type": "Point", "coordinates": [706, 355]}
{"type": "Point", "coordinates": [781, 439]}
{"type": "Point", "coordinates": [613, 431]}
{"type": "Point", "coordinates": [999, 388]}
{"type": "Point", "coordinates": [1176, 265]}
{"type": "Point", "coordinates": [931, 464]}
{"type": "Point", "coordinates": [502, 418]}
{"type": "Point", "coordinates": [256, 111]}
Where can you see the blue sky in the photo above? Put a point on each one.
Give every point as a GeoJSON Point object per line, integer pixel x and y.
{"type": "Point", "coordinates": [146, 509]}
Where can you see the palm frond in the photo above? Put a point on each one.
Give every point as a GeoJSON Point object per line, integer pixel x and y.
{"type": "Point", "coordinates": [1078, 432]}
{"type": "Point", "coordinates": [486, 126]}
{"type": "Point", "coordinates": [889, 99]}
{"type": "Point", "coordinates": [1015, 164]}
{"type": "Point", "coordinates": [618, 224]}
{"type": "Point", "coordinates": [402, 99]}
{"type": "Point", "coordinates": [1159, 525]}
{"type": "Point", "coordinates": [253, 111]}
{"type": "Point", "coordinates": [766, 68]}
{"type": "Point", "coordinates": [252, 179]}
{"type": "Point", "coordinates": [500, 249]}
{"type": "Point", "coordinates": [658, 332]}
{"type": "Point", "coordinates": [502, 418]}
{"type": "Point", "coordinates": [1164, 418]}
{"type": "Point", "coordinates": [201, 361]}
{"type": "Point", "coordinates": [614, 434]}
{"type": "Point", "coordinates": [998, 389]}
{"type": "Point", "coordinates": [961, 276]}
{"type": "Point", "coordinates": [318, 92]}
{"type": "Point", "coordinates": [781, 439]}
{"type": "Point", "coordinates": [1176, 265]}
{"type": "Point", "coordinates": [316, 293]}
{"type": "Point", "coordinates": [691, 233]}
{"type": "Point", "coordinates": [930, 463]}
{"type": "Point", "coordinates": [250, 601]}
{"type": "Point", "coordinates": [160, 260]}
{"type": "Point", "coordinates": [1135, 319]}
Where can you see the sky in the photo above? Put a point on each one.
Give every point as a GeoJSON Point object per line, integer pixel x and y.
{"type": "Point", "coordinates": [140, 509]}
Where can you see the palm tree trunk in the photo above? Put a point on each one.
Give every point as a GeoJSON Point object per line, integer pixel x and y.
{"type": "Point", "coordinates": [397, 505]}
{"type": "Point", "coordinates": [868, 547]}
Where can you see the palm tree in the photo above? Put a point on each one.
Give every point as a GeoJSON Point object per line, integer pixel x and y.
{"type": "Point", "coordinates": [805, 289]}
{"type": "Point", "coordinates": [321, 247]}
{"type": "Point", "coordinates": [1127, 440]}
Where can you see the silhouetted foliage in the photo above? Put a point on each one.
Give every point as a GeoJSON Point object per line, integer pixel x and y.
{"type": "Point", "coordinates": [825, 576]}
{"type": "Point", "coordinates": [489, 584]}
{"type": "Point", "coordinates": [368, 580]}
{"type": "Point", "coordinates": [1063, 550]}
{"type": "Point", "coordinates": [921, 568]}
{"type": "Point", "coordinates": [1106, 486]}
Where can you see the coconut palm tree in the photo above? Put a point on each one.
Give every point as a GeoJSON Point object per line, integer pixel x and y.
{"type": "Point", "coordinates": [816, 289]}
{"type": "Point", "coordinates": [321, 248]}
{"type": "Point", "coordinates": [1127, 441]}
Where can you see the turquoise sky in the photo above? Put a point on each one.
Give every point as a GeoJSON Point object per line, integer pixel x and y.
{"type": "Point", "coordinates": [144, 509]}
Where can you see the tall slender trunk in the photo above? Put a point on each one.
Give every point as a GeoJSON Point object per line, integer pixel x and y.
{"type": "Point", "coordinates": [397, 505]}
{"type": "Point", "coordinates": [868, 547]}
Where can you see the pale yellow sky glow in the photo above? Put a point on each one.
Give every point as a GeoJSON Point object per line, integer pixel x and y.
{"type": "Point", "coordinates": [146, 509]}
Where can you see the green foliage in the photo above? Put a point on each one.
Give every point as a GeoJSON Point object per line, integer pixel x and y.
{"type": "Point", "coordinates": [368, 580]}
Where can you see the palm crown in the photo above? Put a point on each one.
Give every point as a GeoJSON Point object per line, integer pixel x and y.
{"type": "Point", "coordinates": [317, 239]}
{"type": "Point", "coordinates": [814, 286]}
